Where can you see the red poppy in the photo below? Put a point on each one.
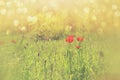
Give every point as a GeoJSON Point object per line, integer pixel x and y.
{"type": "Point", "coordinates": [13, 41]}
{"type": "Point", "coordinates": [2, 43]}
{"type": "Point", "coordinates": [80, 39]}
{"type": "Point", "coordinates": [70, 39]}
{"type": "Point", "coordinates": [77, 47]}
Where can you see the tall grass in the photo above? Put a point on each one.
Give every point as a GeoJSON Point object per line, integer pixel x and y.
{"type": "Point", "coordinates": [55, 60]}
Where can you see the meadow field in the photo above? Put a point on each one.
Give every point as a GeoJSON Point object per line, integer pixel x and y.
{"type": "Point", "coordinates": [59, 39]}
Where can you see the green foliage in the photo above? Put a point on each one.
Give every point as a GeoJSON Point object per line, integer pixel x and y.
{"type": "Point", "coordinates": [55, 60]}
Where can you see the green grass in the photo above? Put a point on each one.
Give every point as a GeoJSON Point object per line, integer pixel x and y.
{"type": "Point", "coordinates": [48, 60]}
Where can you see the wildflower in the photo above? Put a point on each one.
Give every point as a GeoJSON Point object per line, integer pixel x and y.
{"type": "Point", "coordinates": [78, 47]}
{"type": "Point", "coordinates": [80, 39]}
{"type": "Point", "coordinates": [70, 39]}
{"type": "Point", "coordinates": [2, 43]}
{"type": "Point", "coordinates": [13, 41]}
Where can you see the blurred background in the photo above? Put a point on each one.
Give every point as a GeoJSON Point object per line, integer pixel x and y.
{"type": "Point", "coordinates": [51, 18]}
{"type": "Point", "coordinates": [102, 16]}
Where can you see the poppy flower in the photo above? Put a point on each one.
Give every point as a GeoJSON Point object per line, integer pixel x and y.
{"type": "Point", "coordinates": [80, 39]}
{"type": "Point", "coordinates": [13, 41]}
{"type": "Point", "coordinates": [70, 39]}
{"type": "Point", "coordinates": [1, 43]}
{"type": "Point", "coordinates": [77, 47]}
